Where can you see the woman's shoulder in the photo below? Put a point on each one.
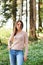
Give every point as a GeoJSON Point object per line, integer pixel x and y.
{"type": "Point", "coordinates": [24, 32]}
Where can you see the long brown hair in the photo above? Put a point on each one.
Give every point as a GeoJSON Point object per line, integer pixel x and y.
{"type": "Point", "coordinates": [15, 28]}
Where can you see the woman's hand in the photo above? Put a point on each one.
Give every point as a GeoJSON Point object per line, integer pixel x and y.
{"type": "Point", "coordinates": [9, 47]}
{"type": "Point", "coordinates": [25, 58]}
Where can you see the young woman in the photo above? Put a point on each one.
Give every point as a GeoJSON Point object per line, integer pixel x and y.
{"type": "Point", "coordinates": [16, 43]}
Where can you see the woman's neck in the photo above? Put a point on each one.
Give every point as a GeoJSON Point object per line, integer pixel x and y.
{"type": "Point", "coordinates": [19, 31]}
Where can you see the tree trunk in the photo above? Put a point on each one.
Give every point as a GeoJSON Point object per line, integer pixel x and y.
{"type": "Point", "coordinates": [21, 10]}
{"type": "Point", "coordinates": [32, 33]}
{"type": "Point", "coordinates": [40, 22]}
{"type": "Point", "coordinates": [26, 15]}
{"type": "Point", "coordinates": [14, 5]}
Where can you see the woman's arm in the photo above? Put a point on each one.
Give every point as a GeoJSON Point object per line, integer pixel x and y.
{"type": "Point", "coordinates": [10, 39]}
{"type": "Point", "coordinates": [26, 44]}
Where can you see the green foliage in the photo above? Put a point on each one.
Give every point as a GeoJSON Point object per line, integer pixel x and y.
{"type": "Point", "coordinates": [5, 11]}
{"type": "Point", "coordinates": [4, 35]}
{"type": "Point", "coordinates": [35, 54]}
{"type": "Point", "coordinates": [4, 56]}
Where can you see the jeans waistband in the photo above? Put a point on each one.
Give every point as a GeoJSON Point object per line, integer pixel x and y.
{"type": "Point", "coordinates": [15, 50]}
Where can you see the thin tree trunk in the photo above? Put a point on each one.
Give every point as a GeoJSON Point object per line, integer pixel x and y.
{"type": "Point", "coordinates": [26, 15]}
{"type": "Point", "coordinates": [21, 10]}
{"type": "Point", "coordinates": [40, 22]}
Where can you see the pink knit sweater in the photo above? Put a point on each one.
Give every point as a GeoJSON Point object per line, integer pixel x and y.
{"type": "Point", "coordinates": [20, 42]}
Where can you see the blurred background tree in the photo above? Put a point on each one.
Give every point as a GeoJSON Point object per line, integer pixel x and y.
{"type": "Point", "coordinates": [9, 9]}
{"type": "Point", "coordinates": [40, 6]}
{"type": "Point", "coordinates": [32, 19]}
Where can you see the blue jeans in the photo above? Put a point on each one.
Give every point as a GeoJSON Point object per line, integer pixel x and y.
{"type": "Point", "coordinates": [16, 57]}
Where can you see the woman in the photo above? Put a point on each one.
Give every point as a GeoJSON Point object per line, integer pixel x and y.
{"type": "Point", "coordinates": [16, 43]}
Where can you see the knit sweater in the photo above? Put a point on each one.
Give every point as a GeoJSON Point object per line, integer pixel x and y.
{"type": "Point", "coordinates": [20, 42]}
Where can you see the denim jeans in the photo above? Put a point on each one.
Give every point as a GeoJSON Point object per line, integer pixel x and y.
{"type": "Point", "coordinates": [16, 57]}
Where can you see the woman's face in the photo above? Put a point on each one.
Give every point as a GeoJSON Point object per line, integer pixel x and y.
{"type": "Point", "coordinates": [18, 26]}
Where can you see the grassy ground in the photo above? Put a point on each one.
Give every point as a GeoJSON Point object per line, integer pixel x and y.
{"type": "Point", "coordinates": [35, 54]}
{"type": "Point", "coordinates": [4, 57]}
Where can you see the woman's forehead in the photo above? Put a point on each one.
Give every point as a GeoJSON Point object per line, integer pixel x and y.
{"type": "Point", "coordinates": [19, 22]}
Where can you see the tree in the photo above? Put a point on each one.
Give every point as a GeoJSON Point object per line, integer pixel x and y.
{"type": "Point", "coordinates": [6, 7]}
{"type": "Point", "coordinates": [3, 12]}
{"type": "Point", "coordinates": [26, 15]}
{"type": "Point", "coordinates": [20, 8]}
{"type": "Point", "coordinates": [32, 33]}
{"type": "Point", "coordinates": [9, 9]}
{"type": "Point", "coordinates": [40, 14]}
{"type": "Point", "coordinates": [14, 9]}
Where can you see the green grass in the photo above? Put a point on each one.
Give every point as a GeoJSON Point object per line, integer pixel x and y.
{"type": "Point", "coordinates": [35, 54]}
{"type": "Point", "coordinates": [4, 56]}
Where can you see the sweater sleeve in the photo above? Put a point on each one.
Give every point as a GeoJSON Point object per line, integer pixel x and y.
{"type": "Point", "coordinates": [26, 44]}
{"type": "Point", "coordinates": [10, 39]}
